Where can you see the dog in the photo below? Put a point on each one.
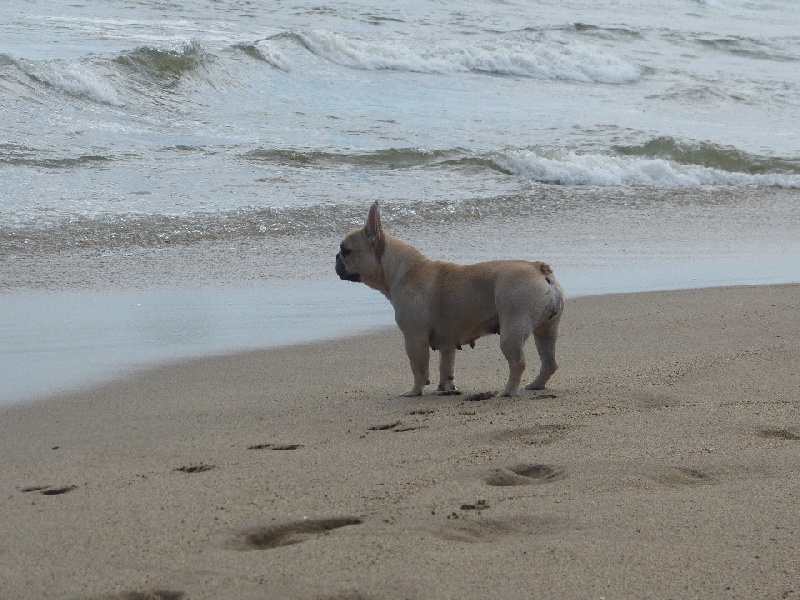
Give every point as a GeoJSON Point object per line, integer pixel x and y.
{"type": "Point", "coordinates": [444, 306]}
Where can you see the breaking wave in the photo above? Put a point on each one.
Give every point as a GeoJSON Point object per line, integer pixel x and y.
{"type": "Point", "coordinates": [660, 163]}
{"type": "Point", "coordinates": [73, 78]}
{"type": "Point", "coordinates": [712, 156]}
{"type": "Point", "coordinates": [536, 58]}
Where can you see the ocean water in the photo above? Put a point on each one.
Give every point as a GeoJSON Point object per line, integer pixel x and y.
{"type": "Point", "coordinates": [152, 144]}
{"type": "Point", "coordinates": [140, 122]}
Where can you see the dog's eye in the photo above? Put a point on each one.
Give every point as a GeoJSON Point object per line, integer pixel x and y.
{"type": "Point", "coordinates": [345, 251]}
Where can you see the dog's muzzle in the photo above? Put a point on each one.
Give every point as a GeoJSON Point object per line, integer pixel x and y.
{"type": "Point", "coordinates": [342, 272]}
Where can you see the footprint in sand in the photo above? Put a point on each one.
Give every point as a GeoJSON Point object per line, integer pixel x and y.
{"type": "Point", "coordinates": [287, 534]}
{"type": "Point", "coordinates": [195, 468]}
{"type": "Point", "coordinates": [480, 397]}
{"type": "Point", "coordinates": [48, 490]}
{"type": "Point", "coordinates": [538, 435]}
{"type": "Point", "coordinates": [786, 433]}
{"type": "Point", "coordinates": [488, 530]}
{"type": "Point", "coordinates": [396, 426]}
{"type": "Point", "coordinates": [523, 475]}
{"type": "Point", "coordinates": [275, 447]}
{"type": "Point", "coordinates": [680, 476]}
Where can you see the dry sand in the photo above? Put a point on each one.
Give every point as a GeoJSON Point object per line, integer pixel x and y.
{"type": "Point", "coordinates": [662, 462]}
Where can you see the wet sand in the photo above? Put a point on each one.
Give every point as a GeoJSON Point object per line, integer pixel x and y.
{"type": "Point", "coordinates": [663, 461]}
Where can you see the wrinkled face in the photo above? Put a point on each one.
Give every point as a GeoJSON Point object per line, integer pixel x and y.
{"type": "Point", "coordinates": [356, 260]}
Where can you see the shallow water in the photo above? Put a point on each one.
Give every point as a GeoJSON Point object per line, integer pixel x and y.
{"type": "Point", "coordinates": [62, 340]}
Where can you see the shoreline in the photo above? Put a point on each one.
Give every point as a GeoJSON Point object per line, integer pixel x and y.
{"type": "Point", "coordinates": [108, 308]}
{"type": "Point", "coordinates": [661, 460]}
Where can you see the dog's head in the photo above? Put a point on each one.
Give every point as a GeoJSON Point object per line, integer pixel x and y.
{"type": "Point", "coordinates": [359, 257]}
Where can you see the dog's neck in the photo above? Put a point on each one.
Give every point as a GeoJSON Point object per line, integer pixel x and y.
{"type": "Point", "coordinates": [398, 260]}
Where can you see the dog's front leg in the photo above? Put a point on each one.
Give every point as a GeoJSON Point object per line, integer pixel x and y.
{"type": "Point", "coordinates": [419, 357]}
{"type": "Point", "coordinates": [447, 370]}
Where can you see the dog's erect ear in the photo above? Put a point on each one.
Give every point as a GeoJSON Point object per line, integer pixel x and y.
{"type": "Point", "coordinates": [372, 228]}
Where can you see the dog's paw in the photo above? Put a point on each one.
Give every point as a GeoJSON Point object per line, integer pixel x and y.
{"type": "Point", "coordinates": [447, 389]}
{"type": "Point", "coordinates": [412, 393]}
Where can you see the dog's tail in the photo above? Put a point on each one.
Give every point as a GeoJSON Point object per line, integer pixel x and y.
{"type": "Point", "coordinates": [554, 294]}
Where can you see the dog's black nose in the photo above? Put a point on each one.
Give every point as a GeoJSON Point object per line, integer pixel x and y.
{"type": "Point", "coordinates": [340, 268]}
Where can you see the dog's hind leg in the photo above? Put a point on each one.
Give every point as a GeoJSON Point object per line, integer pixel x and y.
{"type": "Point", "coordinates": [545, 337]}
{"type": "Point", "coordinates": [419, 357]}
{"type": "Point", "coordinates": [512, 343]}
{"type": "Point", "coordinates": [447, 370]}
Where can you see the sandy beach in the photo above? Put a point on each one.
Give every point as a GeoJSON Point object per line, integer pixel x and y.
{"type": "Point", "coordinates": [194, 405]}
{"type": "Point", "coordinates": [662, 462]}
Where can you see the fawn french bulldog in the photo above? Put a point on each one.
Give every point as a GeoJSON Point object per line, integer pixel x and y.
{"type": "Point", "coordinates": [444, 306]}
